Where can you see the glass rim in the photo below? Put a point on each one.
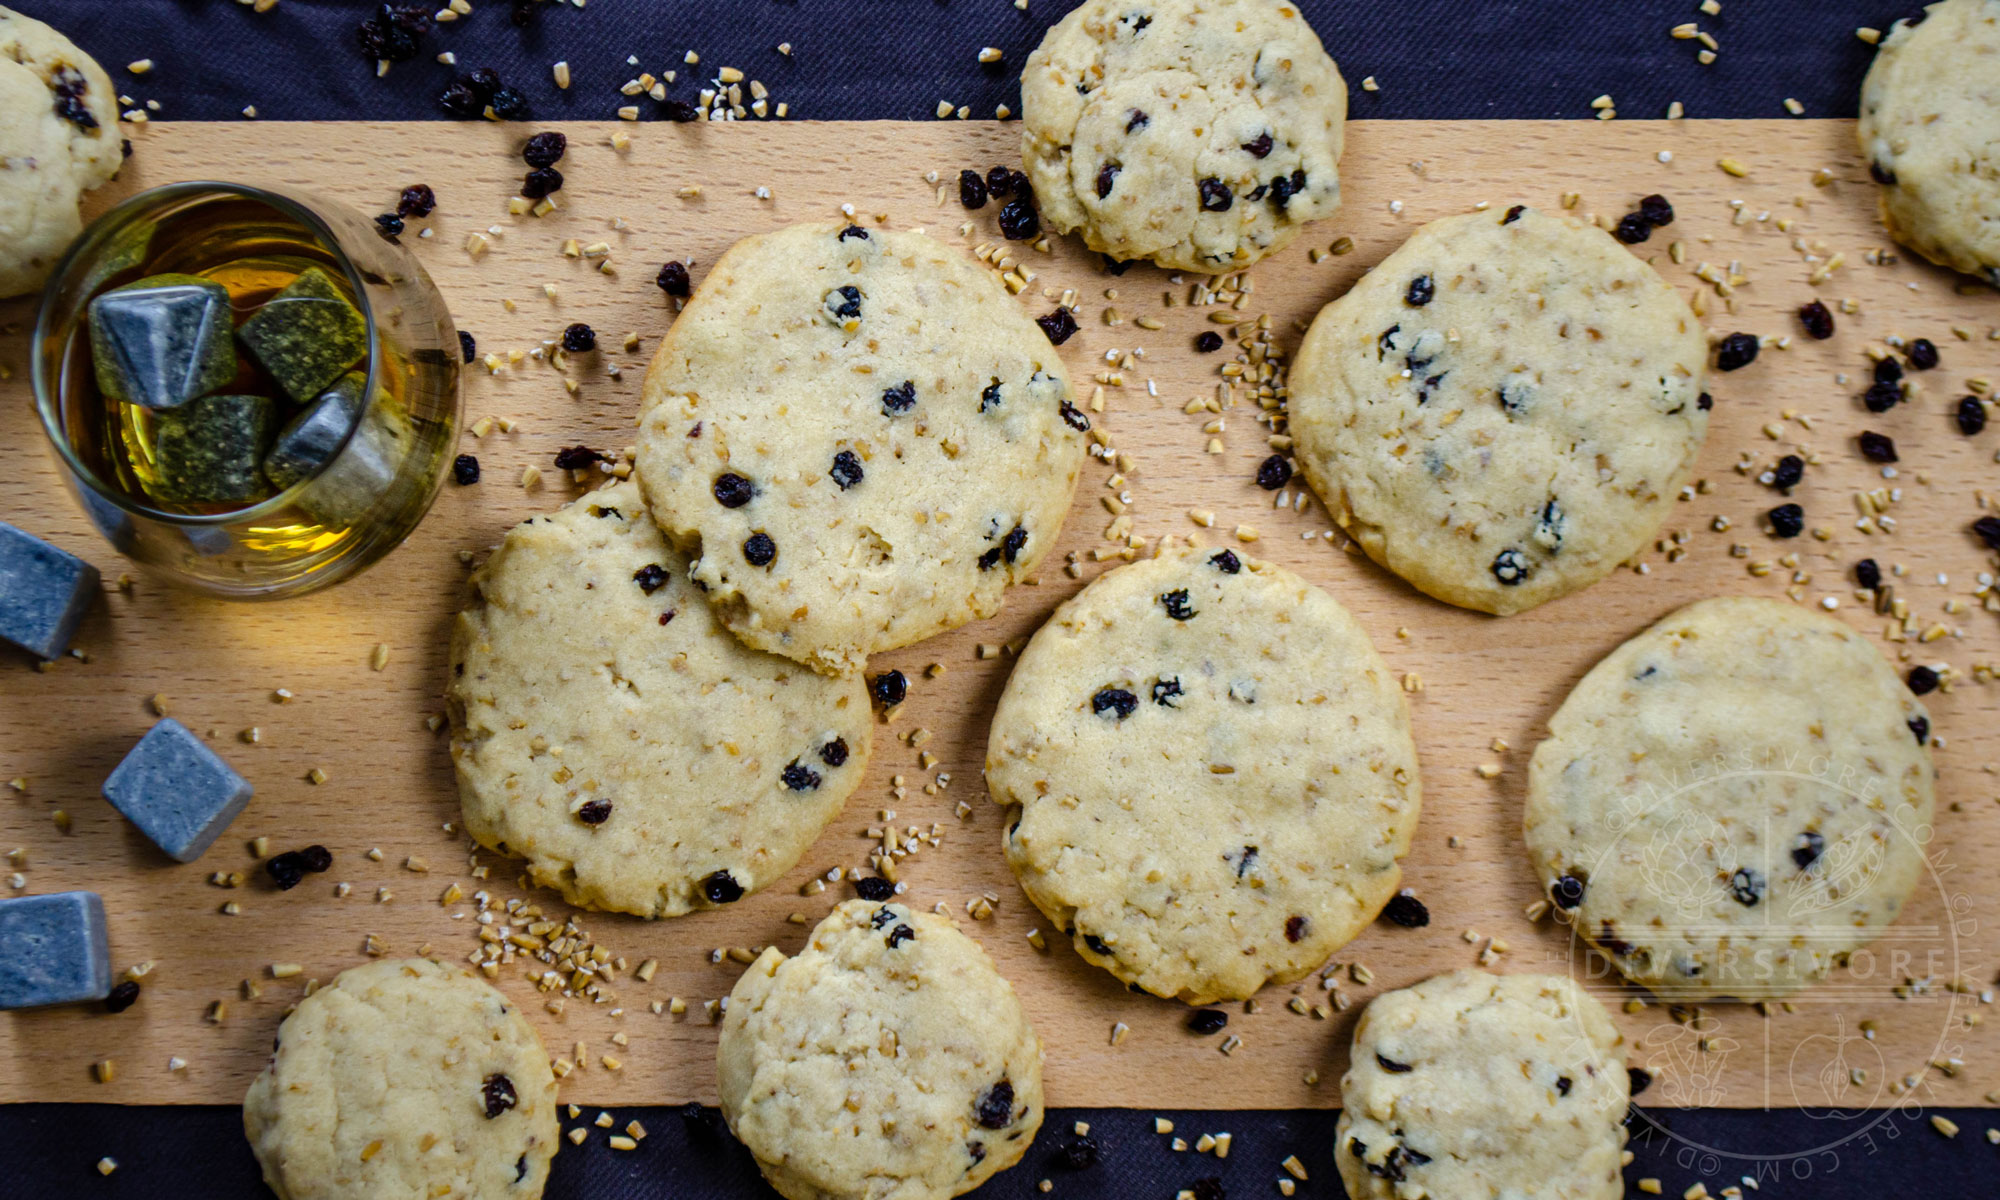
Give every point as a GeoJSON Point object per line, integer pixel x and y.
{"type": "Point", "coordinates": [47, 391]}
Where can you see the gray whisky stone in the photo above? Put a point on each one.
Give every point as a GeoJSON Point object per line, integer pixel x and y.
{"type": "Point", "coordinates": [177, 791]}
{"type": "Point", "coordinates": [162, 341]}
{"type": "Point", "coordinates": [43, 592]}
{"type": "Point", "coordinates": [366, 475]}
{"type": "Point", "coordinates": [53, 950]}
{"type": "Point", "coordinates": [211, 450]}
{"type": "Point", "coordinates": [309, 439]}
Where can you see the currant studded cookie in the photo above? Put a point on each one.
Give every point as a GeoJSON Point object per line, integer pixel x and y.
{"type": "Point", "coordinates": [887, 1060]}
{"type": "Point", "coordinates": [58, 139]}
{"type": "Point", "coordinates": [404, 1080]}
{"type": "Point", "coordinates": [1930, 112]}
{"type": "Point", "coordinates": [1734, 801]}
{"type": "Point", "coordinates": [1214, 774]}
{"type": "Point", "coordinates": [1504, 409]}
{"type": "Point", "coordinates": [1200, 134]}
{"type": "Point", "coordinates": [1470, 1084]}
{"type": "Point", "coordinates": [607, 729]}
{"type": "Point", "coordinates": [859, 437]}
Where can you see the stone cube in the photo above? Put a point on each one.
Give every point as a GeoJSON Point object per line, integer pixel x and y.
{"type": "Point", "coordinates": [363, 476]}
{"type": "Point", "coordinates": [177, 791]}
{"type": "Point", "coordinates": [162, 341]}
{"type": "Point", "coordinates": [307, 335]}
{"type": "Point", "coordinates": [309, 439]}
{"type": "Point", "coordinates": [211, 450]}
{"type": "Point", "coordinates": [53, 950]}
{"type": "Point", "coordinates": [43, 593]}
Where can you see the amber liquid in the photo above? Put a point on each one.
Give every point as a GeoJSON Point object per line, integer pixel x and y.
{"type": "Point", "coordinates": [255, 252]}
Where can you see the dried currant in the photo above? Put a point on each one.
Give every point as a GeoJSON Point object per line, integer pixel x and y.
{"type": "Point", "coordinates": [1786, 475]}
{"type": "Point", "coordinates": [545, 149]}
{"type": "Point", "coordinates": [1274, 472]}
{"type": "Point", "coordinates": [995, 1106]}
{"type": "Point", "coordinates": [540, 182]}
{"type": "Point", "coordinates": [846, 470]}
{"type": "Point", "coordinates": [1736, 351]}
{"type": "Point", "coordinates": [1787, 520]}
{"type": "Point", "coordinates": [899, 399]}
{"type": "Point", "coordinates": [498, 1092]}
{"type": "Point", "coordinates": [889, 688]}
{"type": "Point", "coordinates": [1018, 221]}
{"type": "Point", "coordinates": [971, 189]}
{"type": "Point", "coordinates": [1059, 326]}
{"type": "Point", "coordinates": [1406, 910]}
{"type": "Point", "coordinates": [417, 200]}
{"type": "Point", "coordinates": [1116, 701]}
{"type": "Point", "coordinates": [1818, 320]}
{"type": "Point", "coordinates": [1971, 415]}
{"type": "Point", "coordinates": [1633, 228]}
{"type": "Point", "coordinates": [1877, 447]}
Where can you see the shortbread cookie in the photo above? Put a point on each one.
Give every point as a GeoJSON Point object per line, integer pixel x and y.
{"type": "Point", "coordinates": [1733, 801]}
{"type": "Point", "coordinates": [405, 1080]}
{"type": "Point", "coordinates": [1930, 115]}
{"type": "Point", "coordinates": [1199, 134]}
{"type": "Point", "coordinates": [58, 139]}
{"type": "Point", "coordinates": [1214, 772]}
{"type": "Point", "coordinates": [1470, 1084]}
{"type": "Point", "coordinates": [1503, 410]}
{"type": "Point", "coordinates": [860, 436]}
{"type": "Point", "coordinates": [887, 1060]}
{"type": "Point", "coordinates": [607, 728]}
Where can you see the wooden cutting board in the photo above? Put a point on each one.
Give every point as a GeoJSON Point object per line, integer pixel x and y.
{"type": "Point", "coordinates": [688, 192]}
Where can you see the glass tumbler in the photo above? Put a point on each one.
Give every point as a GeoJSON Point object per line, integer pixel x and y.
{"type": "Point", "coordinates": [362, 498]}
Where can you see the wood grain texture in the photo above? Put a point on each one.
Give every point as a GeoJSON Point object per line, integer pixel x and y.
{"type": "Point", "coordinates": [389, 781]}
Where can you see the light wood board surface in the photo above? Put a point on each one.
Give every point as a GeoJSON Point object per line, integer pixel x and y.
{"type": "Point", "coordinates": [389, 782]}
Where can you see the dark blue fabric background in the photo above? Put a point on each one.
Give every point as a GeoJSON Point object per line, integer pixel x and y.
{"type": "Point", "coordinates": [895, 59]}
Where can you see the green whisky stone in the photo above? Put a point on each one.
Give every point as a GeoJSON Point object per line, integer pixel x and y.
{"type": "Point", "coordinates": [209, 450]}
{"type": "Point", "coordinates": [307, 335]}
{"type": "Point", "coordinates": [309, 439]}
{"type": "Point", "coordinates": [162, 341]}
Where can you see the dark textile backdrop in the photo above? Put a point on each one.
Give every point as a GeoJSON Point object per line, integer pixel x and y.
{"type": "Point", "coordinates": [894, 60]}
